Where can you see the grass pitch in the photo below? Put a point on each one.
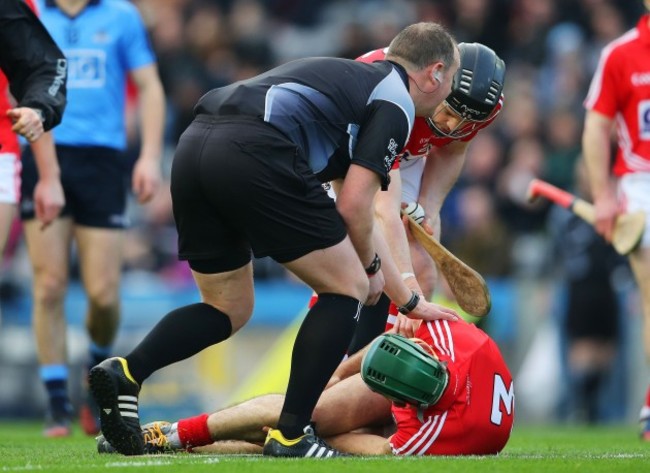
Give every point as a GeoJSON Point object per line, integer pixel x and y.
{"type": "Point", "coordinates": [531, 449]}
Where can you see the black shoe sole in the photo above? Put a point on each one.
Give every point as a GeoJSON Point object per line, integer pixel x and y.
{"type": "Point", "coordinates": [121, 436]}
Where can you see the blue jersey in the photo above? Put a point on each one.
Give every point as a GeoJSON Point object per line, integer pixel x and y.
{"type": "Point", "coordinates": [105, 41]}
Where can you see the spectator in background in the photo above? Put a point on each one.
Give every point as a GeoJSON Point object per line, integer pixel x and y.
{"type": "Point", "coordinates": [479, 21]}
{"type": "Point", "coordinates": [525, 161]}
{"type": "Point", "coordinates": [620, 90]}
{"type": "Point", "coordinates": [482, 166]}
{"type": "Point", "coordinates": [591, 314]}
{"type": "Point", "coordinates": [105, 43]}
{"type": "Point", "coordinates": [562, 134]}
{"type": "Point", "coordinates": [483, 241]}
{"type": "Point", "coordinates": [528, 25]}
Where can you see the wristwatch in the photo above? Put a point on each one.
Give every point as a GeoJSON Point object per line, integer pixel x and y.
{"type": "Point", "coordinates": [374, 267]}
{"type": "Point", "coordinates": [411, 304]}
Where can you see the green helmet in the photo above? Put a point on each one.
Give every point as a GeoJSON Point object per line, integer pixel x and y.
{"type": "Point", "coordinates": [401, 370]}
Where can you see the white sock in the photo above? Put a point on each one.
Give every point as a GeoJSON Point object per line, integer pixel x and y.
{"type": "Point", "coordinates": [174, 439]}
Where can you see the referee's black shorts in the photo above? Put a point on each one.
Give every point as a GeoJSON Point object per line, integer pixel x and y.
{"type": "Point", "coordinates": [239, 185]}
{"type": "Point", "coordinates": [592, 311]}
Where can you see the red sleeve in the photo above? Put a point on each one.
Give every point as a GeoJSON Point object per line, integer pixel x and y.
{"type": "Point", "coordinates": [372, 56]}
{"type": "Point", "coordinates": [602, 90]}
{"type": "Point", "coordinates": [32, 4]}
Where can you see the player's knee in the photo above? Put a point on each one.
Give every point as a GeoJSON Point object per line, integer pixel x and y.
{"type": "Point", "coordinates": [239, 314]}
{"type": "Point", "coordinates": [103, 298]}
{"type": "Point", "coordinates": [49, 289]}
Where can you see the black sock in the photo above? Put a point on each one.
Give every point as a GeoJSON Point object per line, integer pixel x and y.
{"type": "Point", "coordinates": [592, 385]}
{"type": "Point", "coordinates": [319, 348]}
{"type": "Point", "coordinates": [586, 387]}
{"type": "Point", "coordinates": [57, 391]}
{"type": "Point", "coordinates": [372, 323]}
{"type": "Point", "coordinates": [180, 334]}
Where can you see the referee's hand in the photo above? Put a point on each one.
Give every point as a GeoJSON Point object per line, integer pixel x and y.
{"type": "Point", "coordinates": [26, 122]}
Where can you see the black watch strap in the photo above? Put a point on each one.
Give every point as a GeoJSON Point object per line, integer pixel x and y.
{"type": "Point", "coordinates": [375, 266]}
{"type": "Point", "coordinates": [411, 304]}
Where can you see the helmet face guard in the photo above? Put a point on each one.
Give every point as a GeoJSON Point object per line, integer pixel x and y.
{"type": "Point", "coordinates": [475, 92]}
{"type": "Point", "coordinates": [465, 126]}
{"type": "Point", "coordinates": [403, 371]}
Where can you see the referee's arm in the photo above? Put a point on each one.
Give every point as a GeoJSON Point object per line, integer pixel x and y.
{"type": "Point", "coordinates": [33, 63]}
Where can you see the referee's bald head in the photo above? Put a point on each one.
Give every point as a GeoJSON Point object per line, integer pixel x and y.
{"type": "Point", "coordinates": [422, 44]}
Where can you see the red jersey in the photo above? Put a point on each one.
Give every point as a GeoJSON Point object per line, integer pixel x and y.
{"type": "Point", "coordinates": [475, 414]}
{"type": "Point", "coordinates": [8, 139]}
{"type": "Point", "coordinates": [422, 139]}
{"type": "Point", "coordinates": [620, 90]}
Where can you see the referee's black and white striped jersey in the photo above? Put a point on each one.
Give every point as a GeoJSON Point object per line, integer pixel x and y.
{"type": "Point", "coordinates": [337, 111]}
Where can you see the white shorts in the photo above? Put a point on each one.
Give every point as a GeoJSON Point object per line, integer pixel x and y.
{"type": "Point", "coordinates": [411, 173]}
{"type": "Point", "coordinates": [635, 190]}
{"type": "Point", "coordinates": [10, 167]}
{"type": "Point", "coordinates": [411, 177]}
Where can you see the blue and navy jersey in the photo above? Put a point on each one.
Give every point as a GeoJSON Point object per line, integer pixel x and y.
{"type": "Point", "coordinates": [102, 44]}
{"type": "Point", "coordinates": [336, 111]}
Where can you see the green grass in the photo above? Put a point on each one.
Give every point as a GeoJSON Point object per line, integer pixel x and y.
{"type": "Point", "coordinates": [547, 449]}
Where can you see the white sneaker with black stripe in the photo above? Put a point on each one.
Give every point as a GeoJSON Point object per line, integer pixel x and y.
{"type": "Point", "coordinates": [116, 394]}
{"type": "Point", "coordinates": [308, 445]}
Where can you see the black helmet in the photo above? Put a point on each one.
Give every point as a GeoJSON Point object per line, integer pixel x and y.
{"type": "Point", "coordinates": [476, 89]}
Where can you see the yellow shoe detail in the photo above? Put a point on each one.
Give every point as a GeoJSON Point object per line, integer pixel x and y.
{"type": "Point", "coordinates": [276, 435]}
{"type": "Point", "coordinates": [125, 367]}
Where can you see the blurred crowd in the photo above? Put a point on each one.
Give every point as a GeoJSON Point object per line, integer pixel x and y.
{"type": "Point", "coordinates": [551, 49]}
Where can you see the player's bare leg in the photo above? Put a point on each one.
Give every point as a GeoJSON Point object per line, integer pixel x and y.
{"type": "Point", "coordinates": [347, 406]}
{"type": "Point", "coordinates": [49, 253]}
{"type": "Point", "coordinates": [100, 258]}
{"type": "Point", "coordinates": [246, 421]}
{"type": "Point", "coordinates": [7, 212]}
{"type": "Point", "coordinates": [361, 443]}
{"type": "Point", "coordinates": [344, 407]}
{"type": "Point", "coordinates": [350, 405]}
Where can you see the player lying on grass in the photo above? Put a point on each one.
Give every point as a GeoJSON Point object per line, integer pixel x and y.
{"type": "Point", "coordinates": [449, 393]}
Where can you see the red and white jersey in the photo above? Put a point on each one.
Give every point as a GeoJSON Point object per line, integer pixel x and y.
{"type": "Point", "coordinates": [10, 165]}
{"type": "Point", "coordinates": [475, 414]}
{"type": "Point", "coordinates": [422, 138]}
{"type": "Point", "coordinates": [8, 139]}
{"type": "Point", "coordinates": [620, 90]}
